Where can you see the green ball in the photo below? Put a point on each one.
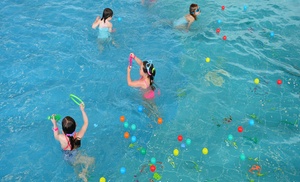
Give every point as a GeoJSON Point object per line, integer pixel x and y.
{"type": "Point", "coordinates": [143, 151]}
{"type": "Point", "coordinates": [188, 141]}
{"type": "Point", "coordinates": [133, 126]}
{"type": "Point", "coordinates": [153, 160]}
{"type": "Point", "coordinates": [126, 124]}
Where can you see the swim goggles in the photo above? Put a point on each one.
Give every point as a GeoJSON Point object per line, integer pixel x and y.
{"type": "Point", "coordinates": [197, 10]}
{"type": "Point", "coordinates": [148, 65]}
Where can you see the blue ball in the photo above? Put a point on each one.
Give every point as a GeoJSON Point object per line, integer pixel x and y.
{"type": "Point", "coordinates": [123, 170]}
{"type": "Point", "coordinates": [119, 19]}
{"type": "Point", "coordinates": [272, 34]}
{"type": "Point", "coordinates": [219, 21]}
{"type": "Point", "coordinates": [183, 145]}
{"type": "Point", "coordinates": [140, 109]}
{"type": "Point", "coordinates": [251, 122]}
{"type": "Point", "coordinates": [133, 139]}
{"type": "Point", "coordinates": [245, 7]}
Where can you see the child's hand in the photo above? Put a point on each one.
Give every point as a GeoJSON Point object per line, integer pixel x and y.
{"type": "Point", "coordinates": [97, 18]}
{"type": "Point", "coordinates": [81, 106]}
{"type": "Point", "coordinates": [128, 69]}
{"type": "Point", "coordinates": [53, 119]}
{"type": "Point", "coordinates": [132, 55]}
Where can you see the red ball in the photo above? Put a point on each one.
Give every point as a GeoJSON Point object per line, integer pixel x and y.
{"type": "Point", "coordinates": [224, 37]}
{"type": "Point", "coordinates": [240, 129]}
{"type": "Point", "coordinates": [218, 30]}
{"type": "Point", "coordinates": [152, 168]}
{"type": "Point", "coordinates": [223, 7]}
{"type": "Point", "coordinates": [179, 138]}
{"type": "Point", "coordinates": [279, 82]}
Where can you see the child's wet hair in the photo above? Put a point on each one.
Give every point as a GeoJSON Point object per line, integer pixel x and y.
{"type": "Point", "coordinates": [69, 126]}
{"type": "Point", "coordinates": [193, 8]}
{"type": "Point", "coordinates": [107, 12]}
{"type": "Point", "coordinates": [152, 72]}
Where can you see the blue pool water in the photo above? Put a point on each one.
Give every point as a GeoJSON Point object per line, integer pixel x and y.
{"type": "Point", "coordinates": [49, 50]}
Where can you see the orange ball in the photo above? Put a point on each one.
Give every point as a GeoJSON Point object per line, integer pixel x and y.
{"type": "Point", "coordinates": [122, 118]}
{"type": "Point", "coordinates": [159, 121]}
{"type": "Point", "coordinates": [126, 135]}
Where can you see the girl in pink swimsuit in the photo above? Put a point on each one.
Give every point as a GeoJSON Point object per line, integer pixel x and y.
{"type": "Point", "coordinates": [70, 140]}
{"type": "Point", "coordinates": [147, 73]}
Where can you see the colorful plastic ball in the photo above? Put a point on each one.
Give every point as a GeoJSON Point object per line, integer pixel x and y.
{"type": "Point", "coordinates": [240, 129]}
{"type": "Point", "coordinates": [223, 7]}
{"type": "Point", "coordinates": [180, 138]}
{"type": "Point", "coordinates": [224, 37]}
{"type": "Point", "coordinates": [251, 122]}
{"type": "Point", "coordinates": [256, 81]}
{"type": "Point", "coordinates": [188, 141]}
{"type": "Point", "coordinates": [182, 145]}
{"type": "Point", "coordinates": [133, 139]}
{"type": "Point", "coordinates": [159, 120]}
{"type": "Point", "coordinates": [205, 151]}
{"type": "Point", "coordinates": [279, 82]}
{"type": "Point", "coordinates": [119, 18]}
{"type": "Point", "coordinates": [102, 179]}
{"type": "Point", "coordinates": [133, 126]}
{"type": "Point", "coordinates": [140, 108]}
{"type": "Point", "coordinates": [152, 168]}
{"type": "Point", "coordinates": [219, 21]}
{"type": "Point", "coordinates": [242, 157]}
{"type": "Point", "coordinates": [218, 30]}
{"type": "Point", "coordinates": [122, 118]}
{"type": "Point", "coordinates": [126, 135]}
{"type": "Point", "coordinates": [207, 59]}
{"type": "Point", "coordinates": [143, 151]}
{"type": "Point", "coordinates": [153, 160]}
{"type": "Point", "coordinates": [123, 170]}
{"type": "Point", "coordinates": [245, 7]}
{"type": "Point", "coordinates": [126, 124]}
{"type": "Point", "coordinates": [230, 137]}
{"type": "Point", "coordinates": [176, 152]}
{"type": "Point", "coordinates": [272, 34]}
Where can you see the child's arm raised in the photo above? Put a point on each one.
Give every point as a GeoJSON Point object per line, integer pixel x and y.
{"type": "Point", "coordinates": [83, 129]}
{"type": "Point", "coordinates": [138, 61]}
{"type": "Point", "coordinates": [55, 128]}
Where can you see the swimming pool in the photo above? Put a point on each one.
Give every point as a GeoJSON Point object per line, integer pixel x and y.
{"type": "Point", "coordinates": [49, 50]}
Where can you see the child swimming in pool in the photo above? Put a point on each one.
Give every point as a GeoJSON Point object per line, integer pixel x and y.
{"type": "Point", "coordinates": [147, 73]}
{"type": "Point", "coordinates": [70, 141]}
{"type": "Point", "coordinates": [186, 21]}
{"type": "Point", "coordinates": [105, 27]}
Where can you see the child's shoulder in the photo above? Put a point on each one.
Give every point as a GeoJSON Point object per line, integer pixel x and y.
{"type": "Point", "coordinates": [189, 17]}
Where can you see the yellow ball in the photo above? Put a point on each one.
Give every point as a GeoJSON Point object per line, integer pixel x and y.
{"type": "Point", "coordinates": [204, 151]}
{"type": "Point", "coordinates": [176, 152]}
{"type": "Point", "coordinates": [256, 81]}
{"type": "Point", "coordinates": [102, 179]}
{"type": "Point", "coordinates": [207, 59]}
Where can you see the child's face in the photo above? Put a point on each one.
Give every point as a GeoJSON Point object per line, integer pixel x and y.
{"type": "Point", "coordinates": [197, 12]}
{"type": "Point", "coordinates": [142, 71]}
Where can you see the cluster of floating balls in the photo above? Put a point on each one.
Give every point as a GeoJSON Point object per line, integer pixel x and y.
{"type": "Point", "coordinates": [188, 141]}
